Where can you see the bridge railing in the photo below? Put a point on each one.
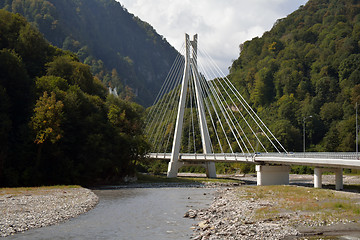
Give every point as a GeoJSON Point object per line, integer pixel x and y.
{"type": "Point", "coordinates": [322, 155]}
{"type": "Point", "coordinates": [215, 156]}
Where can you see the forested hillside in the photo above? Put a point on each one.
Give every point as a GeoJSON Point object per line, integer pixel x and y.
{"type": "Point", "coordinates": [58, 125]}
{"type": "Point", "coordinates": [307, 65]}
{"type": "Point", "coordinates": [121, 49]}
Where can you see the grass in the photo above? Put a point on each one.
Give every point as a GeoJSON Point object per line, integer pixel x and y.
{"type": "Point", "coordinates": [313, 204]}
{"type": "Point", "coordinates": [33, 190]}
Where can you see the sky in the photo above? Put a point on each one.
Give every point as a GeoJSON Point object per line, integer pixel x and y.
{"type": "Point", "coordinates": [221, 25]}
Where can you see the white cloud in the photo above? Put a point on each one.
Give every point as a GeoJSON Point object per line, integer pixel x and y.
{"type": "Point", "coordinates": [222, 25]}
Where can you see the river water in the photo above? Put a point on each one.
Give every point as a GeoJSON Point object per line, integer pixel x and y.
{"type": "Point", "coordinates": [132, 213]}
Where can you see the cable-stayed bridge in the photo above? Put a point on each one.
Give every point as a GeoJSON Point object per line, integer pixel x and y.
{"type": "Point", "coordinates": [200, 118]}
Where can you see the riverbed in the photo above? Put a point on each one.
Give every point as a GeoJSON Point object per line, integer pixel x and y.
{"type": "Point", "coordinates": [132, 213]}
{"type": "Point", "coordinates": [156, 211]}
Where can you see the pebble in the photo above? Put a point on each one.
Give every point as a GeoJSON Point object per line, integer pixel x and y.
{"type": "Point", "coordinates": [231, 217]}
{"type": "Point", "coordinates": [46, 207]}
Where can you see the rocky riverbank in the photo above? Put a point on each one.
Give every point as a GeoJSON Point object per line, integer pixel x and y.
{"type": "Point", "coordinates": [238, 213]}
{"type": "Point", "coordinates": [229, 218]}
{"type": "Point", "coordinates": [21, 210]}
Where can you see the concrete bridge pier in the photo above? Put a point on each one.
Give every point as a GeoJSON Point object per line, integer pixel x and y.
{"type": "Point", "coordinates": [173, 168]}
{"type": "Point", "coordinates": [272, 175]}
{"type": "Point", "coordinates": [338, 177]}
{"type": "Point", "coordinates": [210, 170]}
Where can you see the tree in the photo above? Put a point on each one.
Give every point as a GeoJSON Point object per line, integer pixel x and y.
{"type": "Point", "coordinates": [330, 112]}
{"type": "Point", "coordinates": [5, 127]}
{"type": "Point", "coordinates": [263, 87]}
{"type": "Point", "coordinates": [348, 66]}
{"type": "Point", "coordinates": [33, 49]}
{"type": "Point", "coordinates": [287, 107]}
{"type": "Point", "coordinates": [75, 73]}
{"type": "Point", "coordinates": [287, 134]}
{"type": "Point", "coordinates": [54, 128]}
{"type": "Point", "coordinates": [127, 125]}
{"type": "Point", "coordinates": [106, 36]}
{"type": "Point", "coordinates": [14, 78]}
{"type": "Point", "coordinates": [46, 121]}
{"type": "Point", "coordinates": [51, 84]}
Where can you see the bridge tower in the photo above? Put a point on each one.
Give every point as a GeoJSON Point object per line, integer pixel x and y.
{"type": "Point", "coordinates": [190, 70]}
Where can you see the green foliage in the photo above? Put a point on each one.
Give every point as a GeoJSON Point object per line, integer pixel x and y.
{"type": "Point", "coordinates": [15, 79]}
{"type": "Point", "coordinates": [56, 124]}
{"type": "Point", "coordinates": [224, 168]}
{"type": "Point", "coordinates": [5, 126]}
{"type": "Point", "coordinates": [104, 35]}
{"type": "Point", "coordinates": [193, 169]}
{"type": "Point", "coordinates": [158, 167]}
{"type": "Point", "coordinates": [74, 72]}
{"type": "Point", "coordinates": [47, 118]}
{"type": "Point", "coordinates": [51, 84]}
{"type": "Point", "coordinates": [246, 168]}
{"type": "Point", "coordinates": [308, 64]}
{"type": "Point", "coordinates": [302, 170]}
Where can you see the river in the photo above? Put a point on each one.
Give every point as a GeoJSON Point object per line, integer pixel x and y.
{"type": "Point", "coordinates": [132, 213]}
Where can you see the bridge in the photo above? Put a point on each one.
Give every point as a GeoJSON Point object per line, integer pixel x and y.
{"type": "Point", "coordinates": [199, 118]}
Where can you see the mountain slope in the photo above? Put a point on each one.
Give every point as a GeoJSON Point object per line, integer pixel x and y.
{"type": "Point", "coordinates": [122, 49]}
{"type": "Point", "coordinates": [58, 125]}
{"type": "Point", "coordinates": [307, 65]}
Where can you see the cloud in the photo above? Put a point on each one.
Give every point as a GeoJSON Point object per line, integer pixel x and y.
{"type": "Point", "coordinates": [222, 25]}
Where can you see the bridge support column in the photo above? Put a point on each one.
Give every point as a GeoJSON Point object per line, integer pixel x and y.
{"type": "Point", "coordinates": [272, 175]}
{"type": "Point", "coordinates": [338, 177]}
{"type": "Point", "coordinates": [173, 168]}
{"type": "Point", "coordinates": [210, 170]}
{"type": "Point", "coordinates": [339, 185]}
{"type": "Point", "coordinates": [318, 177]}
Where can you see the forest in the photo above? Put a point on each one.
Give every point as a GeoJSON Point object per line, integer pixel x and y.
{"type": "Point", "coordinates": [308, 64]}
{"type": "Point", "coordinates": [58, 124]}
{"type": "Point", "coordinates": [122, 51]}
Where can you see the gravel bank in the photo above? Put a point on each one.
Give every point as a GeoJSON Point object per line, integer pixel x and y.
{"type": "Point", "coordinates": [37, 208]}
{"type": "Point", "coordinates": [231, 218]}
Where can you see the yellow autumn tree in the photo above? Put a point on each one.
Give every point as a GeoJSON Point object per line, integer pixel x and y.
{"type": "Point", "coordinates": [46, 121]}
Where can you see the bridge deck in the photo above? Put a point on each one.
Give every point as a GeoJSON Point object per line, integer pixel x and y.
{"type": "Point", "coordinates": [333, 160]}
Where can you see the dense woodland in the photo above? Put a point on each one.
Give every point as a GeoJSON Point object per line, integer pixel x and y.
{"type": "Point", "coordinates": [58, 125]}
{"type": "Point", "coordinates": [307, 65]}
{"type": "Point", "coordinates": [123, 51]}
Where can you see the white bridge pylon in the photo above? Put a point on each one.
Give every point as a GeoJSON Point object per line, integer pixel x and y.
{"type": "Point", "coordinates": [201, 113]}
{"type": "Point", "coordinates": [190, 70]}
